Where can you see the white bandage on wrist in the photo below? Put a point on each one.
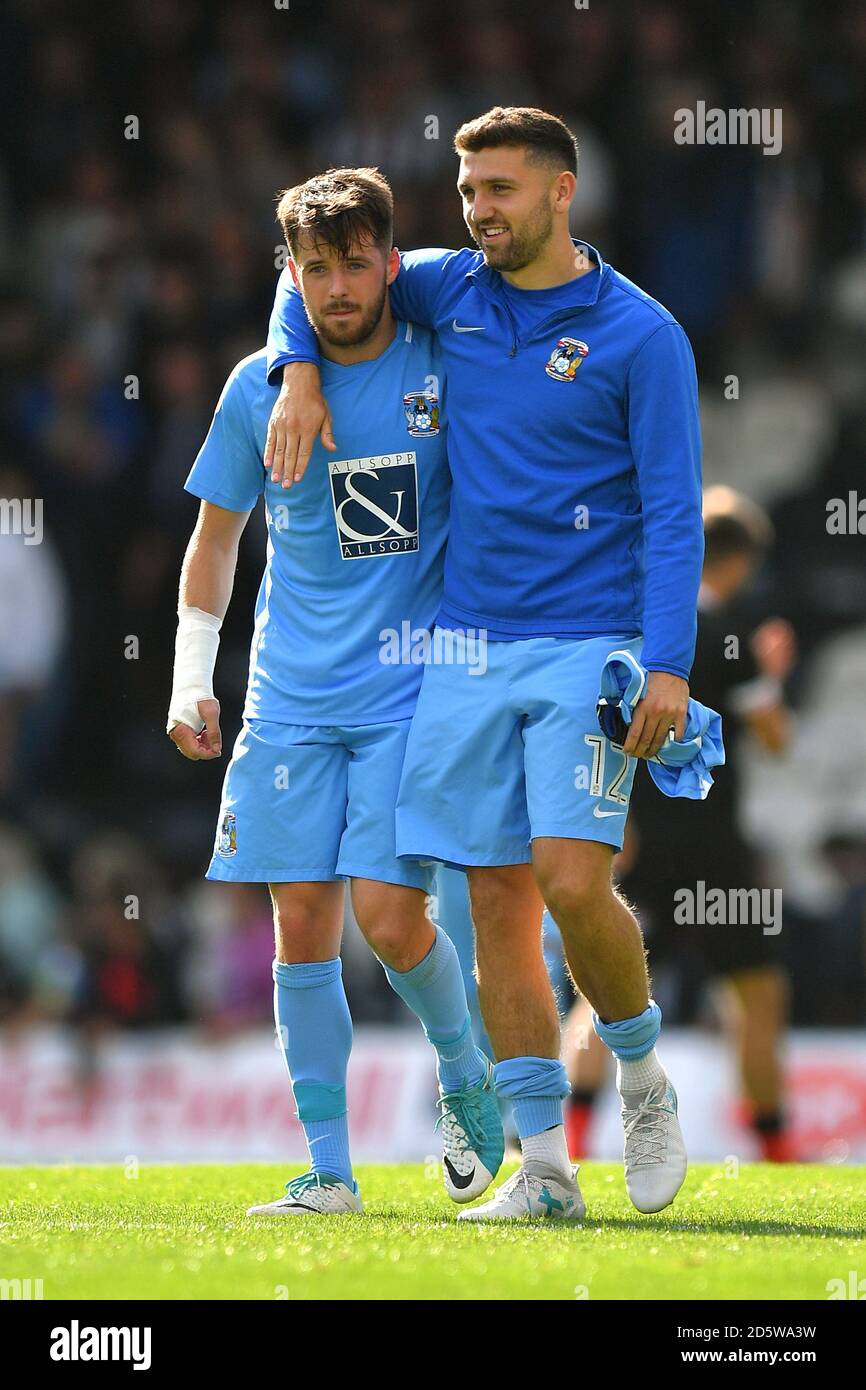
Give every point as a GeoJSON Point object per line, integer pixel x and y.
{"type": "Point", "coordinates": [195, 654]}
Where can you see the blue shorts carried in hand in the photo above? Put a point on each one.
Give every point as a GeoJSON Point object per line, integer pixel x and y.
{"type": "Point", "coordinates": [307, 804]}
{"type": "Point", "coordinates": [497, 759]}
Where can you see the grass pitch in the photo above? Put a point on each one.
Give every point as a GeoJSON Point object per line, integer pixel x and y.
{"type": "Point", "coordinates": [179, 1232]}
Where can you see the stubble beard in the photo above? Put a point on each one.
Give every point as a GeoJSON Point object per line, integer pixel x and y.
{"type": "Point", "coordinates": [340, 334]}
{"type": "Point", "coordinates": [524, 246]}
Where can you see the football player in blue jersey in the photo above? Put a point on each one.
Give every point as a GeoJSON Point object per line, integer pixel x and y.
{"type": "Point", "coordinates": [308, 800]}
{"type": "Point", "coordinates": [574, 445]}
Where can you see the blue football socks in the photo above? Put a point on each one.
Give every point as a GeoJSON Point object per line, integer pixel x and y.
{"type": "Point", "coordinates": [314, 1027]}
{"type": "Point", "coordinates": [536, 1087]}
{"type": "Point", "coordinates": [631, 1038]}
{"type": "Point", "coordinates": [434, 991]}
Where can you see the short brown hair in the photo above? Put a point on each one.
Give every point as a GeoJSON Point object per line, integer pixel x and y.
{"type": "Point", "coordinates": [340, 208]}
{"type": "Point", "coordinates": [734, 525]}
{"type": "Point", "coordinates": [545, 137]}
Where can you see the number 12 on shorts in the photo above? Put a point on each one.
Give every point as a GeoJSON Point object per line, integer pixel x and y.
{"type": "Point", "coordinates": [600, 746]}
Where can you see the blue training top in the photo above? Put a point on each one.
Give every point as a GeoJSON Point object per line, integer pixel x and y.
{"type": "Point", "coordinates": [574, 444]}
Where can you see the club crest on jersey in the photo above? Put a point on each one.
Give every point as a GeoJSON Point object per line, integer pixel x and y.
{"type": "Point", "coordinates": [422, 413]}
{"type": "Point", "coordinates": [227, 836]}
{"type": "Point", "coordinates": [565, 359]}
{"type": "Point", "coordinates": [375, 504]}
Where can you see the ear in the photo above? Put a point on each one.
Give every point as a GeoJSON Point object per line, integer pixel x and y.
{"type": "Point", "coordinates": [563, 191]}
{"type": "Point", "coordinates": [393, 265]}
{"type": "Point", "coordinates": [294, 270]}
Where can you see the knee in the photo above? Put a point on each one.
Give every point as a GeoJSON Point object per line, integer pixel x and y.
{"type": "Point", "coordinates": [302, 934]}
{"type": "Point", "coordinates": [575, 878]}
{"type": "Point", "coordinates": [499, 897]}
{"type": "Point", "coordinates": [395, 928]}
{"type": "Point", "coordinates": [508, 943]}
{"type": "Point", "coordinates": [389, 940]}
{"type": "Point", "coordinates": [573, 900]}
{"type": "Point", "coordinates": [488, 906]}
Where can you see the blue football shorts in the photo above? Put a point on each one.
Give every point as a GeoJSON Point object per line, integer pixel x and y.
{"type": "Point", "coordinates": [496, 759]}
{"type": "Point", "coordinates": [304, 804]}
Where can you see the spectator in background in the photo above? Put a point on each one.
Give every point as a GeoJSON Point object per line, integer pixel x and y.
{"type": "Point", "coordinates": [740, 677]}
{"type": "Point", "coordinates": [129, 935]}
{"type": "Point", "coordinates": [180, 378]}
{"type": "Point", "coordinates": [234, 950]}
{"type": "Point", "coordinates": [37, 969]}
{"type": "Point", "coordinates": [32, 633]}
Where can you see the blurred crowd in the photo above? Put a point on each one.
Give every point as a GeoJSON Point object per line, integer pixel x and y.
{"type": "Point", "coordinates": [138, 255]}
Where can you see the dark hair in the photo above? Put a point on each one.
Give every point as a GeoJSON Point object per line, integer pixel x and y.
{"type": "Point", "coordinates": [546, 138]}
{"type": "Point", "coordinates": [340, 208]}
{"type": "Point", "coordinates": [734, 525]}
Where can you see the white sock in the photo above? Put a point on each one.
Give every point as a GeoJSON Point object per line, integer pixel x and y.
{"type": "Point", "coordinates": [639, 1075]}
{"type": "Point", "coordinates": [549, 1149]}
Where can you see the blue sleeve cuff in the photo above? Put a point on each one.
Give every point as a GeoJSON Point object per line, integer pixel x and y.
{"type": "Point", "coordinates": [275, 368]}
{"type": "Point", "coordinates": [221, 499]}
{"type": "Point", "coordinates": [669, 667]}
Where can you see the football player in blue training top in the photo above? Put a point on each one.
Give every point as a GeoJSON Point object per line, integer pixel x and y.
{"type": "Point", "coordinates": [574, 445]}
{"type": "Point", "coordinates": [309, 796]}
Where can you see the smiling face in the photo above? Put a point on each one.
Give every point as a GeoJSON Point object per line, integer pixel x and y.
{"type": "Point", "coordinates": [344, 296]}
{"type": "Point", "coordinates": [508, 204]}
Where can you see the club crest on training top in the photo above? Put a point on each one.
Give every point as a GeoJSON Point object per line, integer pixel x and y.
{"type": "Point", "coordinates": [565, 359]}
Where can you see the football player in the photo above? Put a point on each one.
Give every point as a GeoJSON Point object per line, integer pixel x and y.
{"type": "Point", "coordinates": [309, 794]}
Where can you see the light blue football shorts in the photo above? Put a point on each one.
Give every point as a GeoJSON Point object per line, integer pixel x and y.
{"type": "Point", "coordinates": [496, 759]}
{"type": "Point", "coordinates": [304, 804]}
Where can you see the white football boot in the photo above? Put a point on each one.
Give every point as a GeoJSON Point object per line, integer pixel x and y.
{"type": "Point", "coordinates": [531, 1197]}
{"type": "Point", "coordinates": [654, 1152]}
{"type": "Point", "coordinates": [317, 1192]}
{"type": "Point", "coordinates": [472, 1138]}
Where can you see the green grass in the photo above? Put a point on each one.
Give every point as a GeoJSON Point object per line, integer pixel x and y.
{"type": "Point", "coordinates": [179, 1232]}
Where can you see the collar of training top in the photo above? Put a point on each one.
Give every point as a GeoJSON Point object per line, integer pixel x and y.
{"type": "Point", "coordinates": [585, 290]}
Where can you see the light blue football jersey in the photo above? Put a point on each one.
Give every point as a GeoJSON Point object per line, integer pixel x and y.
{"type": "Point", "coordinates": [356, 549]}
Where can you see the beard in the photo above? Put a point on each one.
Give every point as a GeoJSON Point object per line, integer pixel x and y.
{"type": "Point", "coordinates": [342, 333]}
{"type": "Point", "coordinates": [523, 246]}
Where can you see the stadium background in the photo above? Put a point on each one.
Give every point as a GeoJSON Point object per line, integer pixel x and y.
{"type": "Point", "coordinates": [145, 266]}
